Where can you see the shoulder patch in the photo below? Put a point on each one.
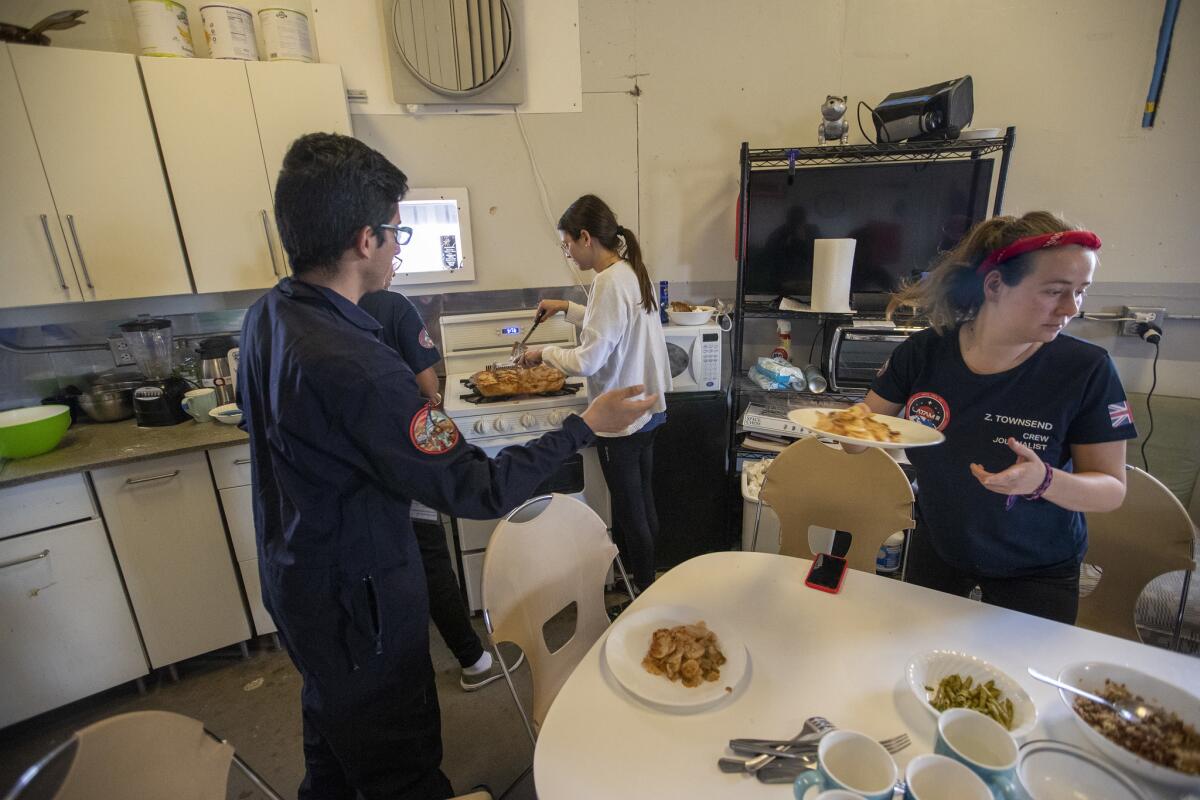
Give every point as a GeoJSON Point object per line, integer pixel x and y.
{"type": "Point", "coordinates": [425, 339]}
{"type": "Point", "coordinates": [432, 432]}
{"type": "Point", "coordinates": [929, 409]}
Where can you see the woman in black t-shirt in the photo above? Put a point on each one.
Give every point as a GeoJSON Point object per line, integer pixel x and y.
{"type": "Point", "coordinates": [1035, 420]}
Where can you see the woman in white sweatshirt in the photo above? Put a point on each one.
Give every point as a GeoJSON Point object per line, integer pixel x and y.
{"type": "Point", "coordinates": [621, 343]}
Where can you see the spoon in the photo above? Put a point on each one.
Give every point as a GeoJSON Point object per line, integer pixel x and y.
{"type": "Point", "coordinates": [1128, 710]}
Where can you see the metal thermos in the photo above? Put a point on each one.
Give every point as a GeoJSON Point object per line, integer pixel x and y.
{"type": "Point", "coordinates": [214, 367]}
{"type": "Point", "coordinates": [814, 380]}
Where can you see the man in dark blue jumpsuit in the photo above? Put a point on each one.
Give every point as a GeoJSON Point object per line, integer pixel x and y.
{"type": "Point", "coordinates": [341, 442]}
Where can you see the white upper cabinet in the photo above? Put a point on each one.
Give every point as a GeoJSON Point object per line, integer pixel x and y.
{"type": "Point", "coordinates": [292, 99]}
{"type": "Point", "coordinates": [206, 128]}
{"type": "Point", "coordinates": [35, 268]}
{"type": "Point", "coordinates": [89, 119]}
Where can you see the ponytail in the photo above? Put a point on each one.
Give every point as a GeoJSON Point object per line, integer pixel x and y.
{"type": "Point", "coordinates": [592, 214]}
{"type": "Point", "coordinates": [952, 292]}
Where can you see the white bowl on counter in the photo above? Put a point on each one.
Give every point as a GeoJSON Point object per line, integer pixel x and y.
{"type": "Point", "coordinates": [1090, 676]}
{"type": "Point", "coordinates": [229, 413]}
{"type": "Point", "coordinates": [698, 316]}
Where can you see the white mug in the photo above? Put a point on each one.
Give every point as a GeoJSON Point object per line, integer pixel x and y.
{"type": "Point", "coordinates": [933, 777]}
{"type": "Point", "coordinates": [853, 762]}
{"type": "Point", "coordinates": [198, 402]}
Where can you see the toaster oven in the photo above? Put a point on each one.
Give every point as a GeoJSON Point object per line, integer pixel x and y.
{"type": "Point", "coordinates": [856, 353]}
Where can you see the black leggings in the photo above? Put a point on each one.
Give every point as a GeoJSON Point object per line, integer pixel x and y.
{"type": "Point", "coordinates": [628, 466]}
{"type": "Point", "coordinates": [445, 599]}
{"type": "Point", "coordinates": [1053, 594]}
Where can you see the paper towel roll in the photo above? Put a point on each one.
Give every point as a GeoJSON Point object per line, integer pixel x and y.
{"type": "Point", "coordinates": [833, 261]}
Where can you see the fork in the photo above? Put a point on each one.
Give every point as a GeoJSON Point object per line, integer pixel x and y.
{"type": "Point", "coordinates": [786, 771]}
{"type": "Point", "coordinates": [814, 728]}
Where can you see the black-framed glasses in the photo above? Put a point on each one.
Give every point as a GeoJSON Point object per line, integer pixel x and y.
{"type": "Point", "coordinates": [403, 233]}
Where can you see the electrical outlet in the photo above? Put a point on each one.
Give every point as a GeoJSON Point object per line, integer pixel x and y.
{"type": "Point", "coordinates": [1140, 315]}
{"type": "Point", "coordinates": [120, 351]}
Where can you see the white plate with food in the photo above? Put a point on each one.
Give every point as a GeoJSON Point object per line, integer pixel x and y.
{"type": "Point", "coordinates": [931, 676]}
{"type": "Point", "coordinates": [1146, 752]}
{"type": "Point", "coordinates": [857, 425]}
{"type": "Point", "coordinates": [632, 650]}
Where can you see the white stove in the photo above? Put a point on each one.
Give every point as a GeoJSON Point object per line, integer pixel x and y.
{"type": "Point", "coordinates": [469, 343]}
{"type": "Point", "coordinates": [483, 419]}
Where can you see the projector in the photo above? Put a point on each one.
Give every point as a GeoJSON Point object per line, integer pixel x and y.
{"type": "Point", "coordinates": [934, 112]}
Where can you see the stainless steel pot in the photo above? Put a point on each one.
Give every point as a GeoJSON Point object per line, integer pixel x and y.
{"type": "Point", "coordinates": [108, 404]}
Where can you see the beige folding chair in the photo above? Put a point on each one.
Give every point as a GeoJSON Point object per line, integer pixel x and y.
{"type": "Point", "coordinates": [547, 554]}
{"type": "Point", "coordinates": [143, 755]}
{"type": "Point", "coordinates": [1149, 535]}
{"type": "Point", "coordinates": [865, 494]}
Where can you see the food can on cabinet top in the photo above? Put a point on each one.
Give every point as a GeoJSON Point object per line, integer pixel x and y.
{"type": "Point", "coordinates": [285, 35]}
{"type": "Point", "coordinates": [162, 28]}
{"type": "Point", "coordinates": [229, 32]}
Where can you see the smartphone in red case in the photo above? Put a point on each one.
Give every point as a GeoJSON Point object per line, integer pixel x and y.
{"type": "Point", "coordinates": [826, 573]}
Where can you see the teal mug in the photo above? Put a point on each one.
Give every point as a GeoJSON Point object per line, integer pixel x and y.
{"type": "Point", "coordinates": [933, 777]}
{"type": "Point", "coordinates": [852, 762]}
{"type": "Point", "coordinates": [198, 402]}
{"type": "Point", "coordinates": [983, 746]}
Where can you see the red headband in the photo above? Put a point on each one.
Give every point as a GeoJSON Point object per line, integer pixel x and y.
{"type": "Point", "coordinates": [1029, 243]}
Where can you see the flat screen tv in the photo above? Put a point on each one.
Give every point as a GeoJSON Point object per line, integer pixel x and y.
{"type": "Point", "coordinates": [902, 216]}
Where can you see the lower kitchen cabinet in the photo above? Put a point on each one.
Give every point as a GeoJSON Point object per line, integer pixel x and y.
{"type": "Point", "coordinates": [166, 528]}
{"type": "Point", "coordinates": [239, 516]}
{"type": "Point", "coordinates": [66, 630]}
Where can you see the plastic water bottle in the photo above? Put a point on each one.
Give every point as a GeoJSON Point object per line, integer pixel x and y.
{"type": "Point", "coordinates": [662, 301]}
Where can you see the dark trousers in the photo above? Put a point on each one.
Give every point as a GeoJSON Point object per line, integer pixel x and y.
{"type": "Point", "coordinates": [371, 721]}
{"type": "Point", "coordinates": [628, 466]}
{"type": "Point", "coordinates": [1053, 594]}
{"type": "Point", "coordinates": [445, 600]}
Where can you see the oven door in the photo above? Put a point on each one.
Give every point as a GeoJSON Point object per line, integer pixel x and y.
{"type": "Point", "coordinates": [683, 354]}
{"type": "Point", "coordinates": [579, 477]}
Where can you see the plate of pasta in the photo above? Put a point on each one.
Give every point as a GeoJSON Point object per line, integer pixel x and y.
{"type": "Point", "coordinates": [858, 425]}
{"type": "Point", "coordinates": [676, 657]}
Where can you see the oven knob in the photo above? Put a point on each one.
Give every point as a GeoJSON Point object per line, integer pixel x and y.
{"type": "Point", "coordinates": [556, 417]}
{"type": "Point", "coordinates": [500, 425]}
{"type": "Point", "coordinates": [528, 420]}
{"type": "Point", "coordinates": [479, 427]}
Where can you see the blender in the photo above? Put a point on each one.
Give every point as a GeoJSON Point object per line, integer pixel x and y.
{"type": "Point", "coordinates": [158, 401]}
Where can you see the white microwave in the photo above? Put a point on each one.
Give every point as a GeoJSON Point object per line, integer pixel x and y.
{"type": "Point", "coordinates": [694, 352]}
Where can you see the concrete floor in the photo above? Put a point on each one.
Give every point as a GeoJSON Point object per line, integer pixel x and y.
{"type": "Point", "coordinates": [482, 732]}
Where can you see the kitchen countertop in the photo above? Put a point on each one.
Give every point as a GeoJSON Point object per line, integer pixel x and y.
{"type": "Point", "coordinates": [93, 445]}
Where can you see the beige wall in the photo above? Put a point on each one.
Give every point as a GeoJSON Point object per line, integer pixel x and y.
{"type": "Point", "coordinates": [1072, 76]}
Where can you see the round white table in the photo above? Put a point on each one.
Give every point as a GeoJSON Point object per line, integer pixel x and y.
{"type": "Point", "coordinates": [811, 653]}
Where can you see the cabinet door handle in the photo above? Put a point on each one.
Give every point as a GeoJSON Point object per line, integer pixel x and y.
{"type": "Point", "coordinates": [25, 560]}
{"type": "Point", "coordinates": [163, 477]}
{"type": "Point", "coordinates": [270, 246]}
{"type": "Point", "coordinates": [53, 253]}
{"type": "Point", "coordinates": [87, 278]}
{"type": "Point", "coordinates": [240, 461]}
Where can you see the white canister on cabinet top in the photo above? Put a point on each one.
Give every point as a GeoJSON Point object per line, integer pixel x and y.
{"type": "Point", "coordinates": [229, 32]}
{"type": "Point", "coordinates": [162, 28]}
{"type": "Point", "coordinates": [285, 35]}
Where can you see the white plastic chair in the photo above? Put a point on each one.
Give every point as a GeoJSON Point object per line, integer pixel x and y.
{"type": "Point", "coordinates": [549, 553]}
{"type": "Point", "coordinates": [143, 755]}
{"type": "Point", "coordinates": [811, 484]}
{"type": "Point", "coordinates": [1149, 535]}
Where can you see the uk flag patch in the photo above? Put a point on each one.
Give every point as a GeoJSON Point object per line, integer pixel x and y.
{"type": "Point", "coordinates": [1119, 414]}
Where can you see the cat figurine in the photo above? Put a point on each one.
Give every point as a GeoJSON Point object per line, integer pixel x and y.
{"type": "Point", "coordinates": [833, 126]}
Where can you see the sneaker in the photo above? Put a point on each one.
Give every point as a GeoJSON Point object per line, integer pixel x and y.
{"type": "Point", "coordinates": [471, 683]}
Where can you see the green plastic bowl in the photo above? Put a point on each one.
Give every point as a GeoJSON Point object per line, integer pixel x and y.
{"type": "Point", "coordinates": [31, 431]}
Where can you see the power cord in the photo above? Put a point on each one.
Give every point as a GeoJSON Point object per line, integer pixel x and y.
{"type": "Point", "coordinates": [1152, 334]}
{"type": "Point", "coordinates": [544, 197]}
{"type": "Point", "coordinates": [874, 117]}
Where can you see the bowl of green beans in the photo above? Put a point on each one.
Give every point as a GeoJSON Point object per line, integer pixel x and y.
{"type": "Point", "coordinates": [944, 679]}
